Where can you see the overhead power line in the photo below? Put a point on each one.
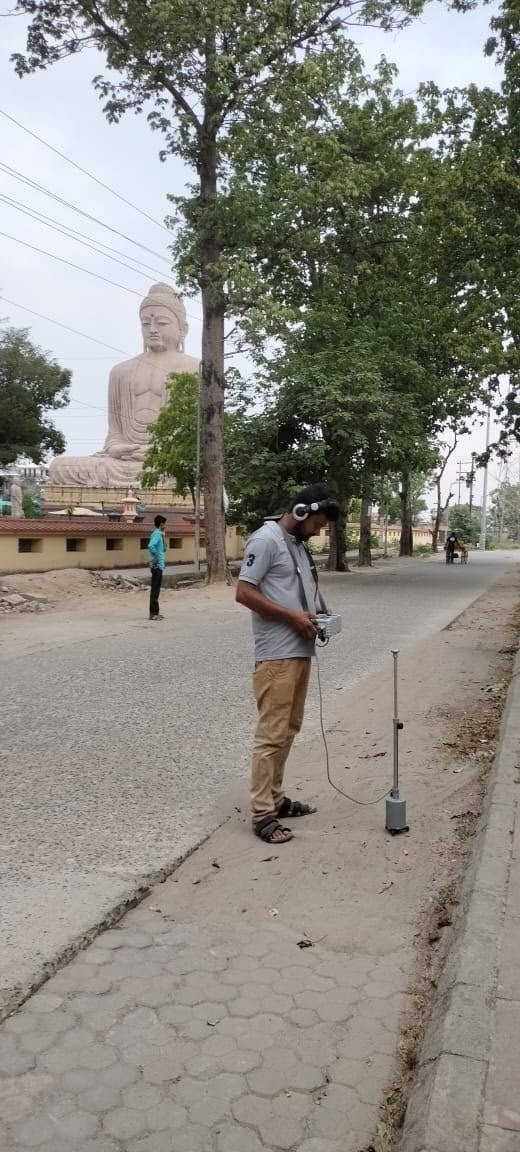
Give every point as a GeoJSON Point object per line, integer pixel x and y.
{"type": "Point", "coordinates": [80, 268]}
{"type": "Point", "coordinates": [70, 264]}
{"type": "Point", "coordinates": [66, 203]}
{"type": "Point", "coordinates": [85, 172]}
{"type": "Point", "coordinates": [71, 234]}
{"type": "Point", "coordinates": [75, 332]}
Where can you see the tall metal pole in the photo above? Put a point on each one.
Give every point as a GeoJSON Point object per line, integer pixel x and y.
{"type": "Point", "coordinates": [395, 805]}
{"type": "Point", "coordinates": [395, 790]}
{"type": "Point", "coordinates": [471, 483]}
{"type": "Point", "coordinates": [483, 513]}
{"type": "Point", "coordinates": [197, 477]}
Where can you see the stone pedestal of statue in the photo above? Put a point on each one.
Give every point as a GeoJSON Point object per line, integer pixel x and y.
{"type": "Point", "coordinates": [136, 394]}
{"type": "Point", "coordinates": [72, 495]}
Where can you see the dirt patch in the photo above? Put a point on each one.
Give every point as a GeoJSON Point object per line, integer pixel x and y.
{"type": "Point", "coordinates": [55, 587]}
{"type": "Point", "coordinates": [477, 729]}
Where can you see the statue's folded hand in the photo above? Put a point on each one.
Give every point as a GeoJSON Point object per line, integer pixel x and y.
{"type": "Point", "coordinates": [119, 451]}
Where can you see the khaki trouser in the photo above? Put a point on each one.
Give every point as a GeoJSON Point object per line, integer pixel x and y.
{"type": "Point", "coordinates": [280, 688]}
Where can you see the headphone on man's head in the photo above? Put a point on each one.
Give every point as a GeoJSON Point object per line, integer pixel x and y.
{"type": "Point", "coordinates": [302, 511]}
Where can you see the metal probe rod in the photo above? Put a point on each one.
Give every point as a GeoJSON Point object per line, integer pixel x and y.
{"type": "Point", "coordinates": [395, 789]}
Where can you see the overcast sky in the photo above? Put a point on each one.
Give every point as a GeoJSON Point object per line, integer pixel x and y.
{"type": "Point", "coordinates": [61, 107]}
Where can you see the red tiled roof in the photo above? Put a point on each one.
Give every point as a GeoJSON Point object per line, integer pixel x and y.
{"type": "Point", "coordinates": [75, 526]}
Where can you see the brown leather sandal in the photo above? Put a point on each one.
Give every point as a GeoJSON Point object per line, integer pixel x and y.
{"type": "Point", "coordinates": [270, 830]}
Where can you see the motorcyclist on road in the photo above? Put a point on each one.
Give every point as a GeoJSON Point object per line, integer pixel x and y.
{"type": "Point", "coordinates": [454, 544]}
{"type": "Point", "coordinates": [451, 545]}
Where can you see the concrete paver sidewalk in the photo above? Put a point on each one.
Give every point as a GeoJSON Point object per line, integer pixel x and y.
{"type": "Point", "coordinates": [171, 1037]}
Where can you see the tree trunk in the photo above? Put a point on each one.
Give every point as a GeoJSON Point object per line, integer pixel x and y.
{"type": "Point", "coordinates": [406, 542]}
{"type": "Point", "coordinates": [365, 533]}
{"type": "Point", "coordinates": [438, 516]}
{"type": "Point", "coordinates": [212, 372]}
{"type": "Point", "coordinates": [338, 545]}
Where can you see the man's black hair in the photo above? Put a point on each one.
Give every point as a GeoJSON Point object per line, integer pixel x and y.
{"type": "Point", "coordinates": [316, 494]}
{"type": "Point", "coordinates": [158, 520]}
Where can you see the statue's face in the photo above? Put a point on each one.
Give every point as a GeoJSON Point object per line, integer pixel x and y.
{"type": "Point", "coordinates": [160, 328]}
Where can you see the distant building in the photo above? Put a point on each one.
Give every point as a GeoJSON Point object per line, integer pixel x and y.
{"type": "Point", "coordinates": [38, 473]}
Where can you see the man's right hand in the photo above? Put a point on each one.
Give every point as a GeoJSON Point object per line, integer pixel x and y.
{"type": "Point", "coordinates": [304, 624]}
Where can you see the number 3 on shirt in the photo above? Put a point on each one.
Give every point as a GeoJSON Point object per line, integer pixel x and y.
{"type": "Point", "coordinates": [250, 560]}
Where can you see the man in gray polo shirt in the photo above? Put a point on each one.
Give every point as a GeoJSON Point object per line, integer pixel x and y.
{"type": "Point", "coordinates": [278, 584]}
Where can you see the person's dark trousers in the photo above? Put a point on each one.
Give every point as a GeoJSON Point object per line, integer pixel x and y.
{"type": "Point", "coordinates": [155, 590]}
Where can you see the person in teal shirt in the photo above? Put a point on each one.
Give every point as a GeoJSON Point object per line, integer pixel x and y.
{"type": "Point", "coordinates": [157, 561]}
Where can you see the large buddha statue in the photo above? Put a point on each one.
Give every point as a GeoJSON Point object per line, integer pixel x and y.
{"type": "Point", "coordinates": [136, 394]}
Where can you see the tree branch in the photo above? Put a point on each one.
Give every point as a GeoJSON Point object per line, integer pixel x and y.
{"type": "Point", "coordinates": [281, 52]}
{"type": "Point", "coordinates": [155, 73]}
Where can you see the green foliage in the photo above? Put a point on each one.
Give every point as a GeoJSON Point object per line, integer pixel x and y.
{"type": "Point", "coordinates": [223, 83]}
{"type": "Point", "coordinates": [32, 385]}
{"type": "Point", "coordinates": [375, 351]}
{"type": "Point", "coordinates": [173, 444]}
{"type": "Point", "coordinates": [31, 505]}
{"type": "Point", "coordinates": [461, 521]}
{"type": "Point", "coordinates": [389, 500]}
{"type": "Point", "coordinates": [505, 511]}
{"type": "Point", "coordinates": [267, 461]}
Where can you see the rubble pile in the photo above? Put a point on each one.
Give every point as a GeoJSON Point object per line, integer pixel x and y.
{"type": "Point", "coordinates": [18, 602]}
{"type": "Point", "coordinates": [114, 582]}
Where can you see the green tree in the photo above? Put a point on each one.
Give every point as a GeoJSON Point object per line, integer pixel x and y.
{"type": "Point", "coordinates": [505, 511]}
{"type": "Point", "coordinates": [388, 497]}
{"type": "Point", "coordinates": [172, 452]}
{"type": "Point", "coordinates": [31, 505]}
{"type": "Point", "coordinates": [198, 70]}
{"type": "Point", "coordinates": [32, 385]}
{"type": "Point", "coordinates": [374, 352]}
{"type": "Point", "coordinates": [461, 520]}
{"type": "Point", "coordinates": [205, 74]}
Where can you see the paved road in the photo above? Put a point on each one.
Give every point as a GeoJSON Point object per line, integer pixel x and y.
{"type": "Point", "coordinates": [122, 741]}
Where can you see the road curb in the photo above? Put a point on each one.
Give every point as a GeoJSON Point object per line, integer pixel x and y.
{"type": "Point", "coordinates": [445, 1109]}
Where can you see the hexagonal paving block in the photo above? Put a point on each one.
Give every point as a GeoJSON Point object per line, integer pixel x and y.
{"type": "Point", "coordinates": [13, 1062]}
{"type": "Point", "coordinates": [266, 1081]}
{"type": "Point", "coordinates": [76, 1126]}
{"type": "Point", "coordinates": [230, 1138]}
{"type": "Point", "coordinates": [162, 1071]}
{"type": "Point", "coordinates": [315, 1144]}
{"type": "Point", "coordinates": [123, 1123]}
{"type": "Point", "coordinates": [174, 1014]}
{"type": "Point", "coordinates": [209, 1010]}
{"type": "Point", "coordinates": [330, 1124]}
{"type": "Point", "coordinates": [45, 1002]}
{"type": "Point", "coordinates": [96, 1056]}
{"type": "Point", "coordinates": [112, 939]}
{"type": "Point", "coordinates": [166, 1115]}
{"type": "Point", "coordinates": [304, 1078]}
{"type": "Point", "coordinates": [15, 1107]}
{"type": "Point", "coordinates": [233, 1026]}
{"type": "Point", "coordinates": [119, 1075]}
{"type": "Point", "coordinates": [240, 1062]}
{"type": "Point", "coordinates": [209, 1110]}
{"type": "Point", "coordinates": [255, 1041]}
{"type": "Point", "coordinates": [246, 1007]}
{"type": "Point", "coordinates": [101, 1098]}
{"type": "Point", "coordinates": [156, 1142]}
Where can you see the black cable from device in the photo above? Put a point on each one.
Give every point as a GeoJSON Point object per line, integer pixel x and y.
{"type": "Point", "coordinates": [361, 803]}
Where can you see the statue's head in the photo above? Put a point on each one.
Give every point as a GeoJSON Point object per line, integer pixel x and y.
{"type": "Point", "coordinates": [163, 320]}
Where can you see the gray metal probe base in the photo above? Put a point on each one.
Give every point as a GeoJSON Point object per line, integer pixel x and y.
{"type": "Point", "coordinates": [395, 814]}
